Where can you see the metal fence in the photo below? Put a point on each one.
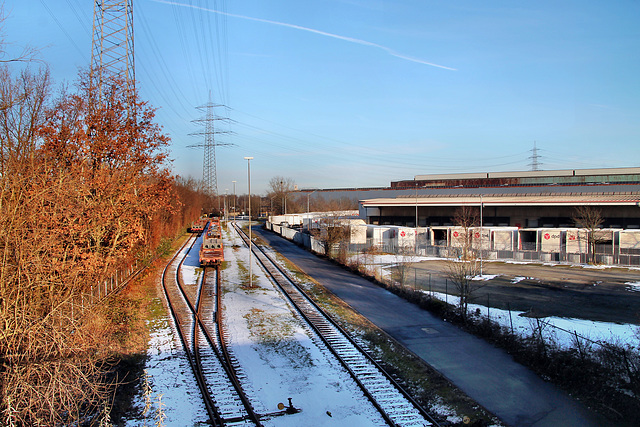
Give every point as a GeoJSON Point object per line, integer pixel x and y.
{"type": "Point", "coordinates": [604, 255]}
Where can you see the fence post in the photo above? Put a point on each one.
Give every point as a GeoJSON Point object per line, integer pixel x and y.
{"type": "Point", "coordinates": [510, 319]}
{"type": "Point", "coordinates": [578, 345]}
{"type": "Point", "coordinates": [488, 314]}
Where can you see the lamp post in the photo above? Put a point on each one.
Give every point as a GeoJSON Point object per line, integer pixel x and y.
{"type": "Point", "coordinates": [248, 159]}
{"type": "Point", "coordinates": [481, 231]}
{"type": "Point", "coordinates": [271, 210]}
{"type": "Point", "coordinates": [226, 213]}
{"type": "Point", "coordinates": [308, 196]}
{"type": "Point", "coordinates": [415, 239]}
{"type": "Point", "coordinates": [234, 201]}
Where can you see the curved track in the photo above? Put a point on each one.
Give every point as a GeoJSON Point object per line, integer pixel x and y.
{"type": "Point", "coordinates": [191, 308]}
{"type": "Point", "coordinates": [393, 403]}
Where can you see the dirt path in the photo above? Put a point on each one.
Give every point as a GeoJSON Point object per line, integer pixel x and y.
{"type": "Point", "coordinates": [602, 294]}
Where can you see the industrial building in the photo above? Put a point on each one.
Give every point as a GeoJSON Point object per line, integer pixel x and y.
{"type": "Point", "coordinates": [524, 215]}
{"type": "Point", "coordinates": [533, 199]}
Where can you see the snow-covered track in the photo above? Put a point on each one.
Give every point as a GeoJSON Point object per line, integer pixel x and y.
{"type": "Point", "coordinates": [223, 397]}
{"type": "Point", "coordinates": [394, 404]}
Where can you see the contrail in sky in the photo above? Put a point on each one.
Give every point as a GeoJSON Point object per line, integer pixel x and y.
{"type": "Point", "coordinates": [311, 30]}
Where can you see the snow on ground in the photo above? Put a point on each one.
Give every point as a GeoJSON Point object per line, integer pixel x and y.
{"type": "Point", "coordinates": [519, 279]}
{"type": "Point", "coordinates": [279, 358]}
{"type": "Point", "coordinates": [171, 393]}
{"type": "Point", "coordinates": [484, 277]}
{"type": "Point", "coordinates": [633, 286]}
{"type": "Point", "coordinates": [281, 361]}
{"type": "Point", "coordinates": [561, 329]}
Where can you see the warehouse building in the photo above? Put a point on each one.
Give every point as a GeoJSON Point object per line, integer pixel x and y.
{"type": "Point", "coordinates": [533, 199]}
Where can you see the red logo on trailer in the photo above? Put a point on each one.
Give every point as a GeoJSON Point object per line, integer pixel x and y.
{"type": "Point", "coordinates": [477, 235]}
{"type": "Point", "coordinates": [547, 236]}
{"type": "Point", "coordinates": [455, 234]}
{"type": "Point", "coordinates": [402, 233]}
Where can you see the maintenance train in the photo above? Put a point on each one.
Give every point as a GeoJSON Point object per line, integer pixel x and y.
{"type": "Point", "coordinates": [211, 250]}
{"type": "Point", "coordinates": [198, 225]}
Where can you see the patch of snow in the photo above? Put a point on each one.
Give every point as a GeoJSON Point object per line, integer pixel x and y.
{"type": "Point", "coordinates": [519, 279]}
{"type": "Point", "coordinates": [279, 358]}
{"type": "Point", "coordinates": [172, 393]}
{"type": "Point", "coordinates": [485, 277]}
{"type": "Point", "coordinates": [633, 286]}
{"type": "Point", "coordinates": [560, 329]}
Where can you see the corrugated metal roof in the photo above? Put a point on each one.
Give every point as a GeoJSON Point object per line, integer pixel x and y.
{"type": "Point", "coordinates": [496, 199]}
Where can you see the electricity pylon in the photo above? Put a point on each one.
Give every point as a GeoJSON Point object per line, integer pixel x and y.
{"type": "Point", "coordinates": [112, 52]}
{"type": "Point", "coordinates": [209, 173]}
{"type": "Point", "coordinates": [535, 158]}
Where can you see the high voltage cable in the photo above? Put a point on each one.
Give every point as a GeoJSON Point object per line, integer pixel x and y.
{"type": "Point", "coordinates": [81, 19]}
{"type": "Point", "coordinates": [182, 35]}
{"type": "Point", "coordinates": [487, 161]}
{"type": "Point", "coordinates": [161, 64]}
{"type": "Point", "coordinates": [62, 28]}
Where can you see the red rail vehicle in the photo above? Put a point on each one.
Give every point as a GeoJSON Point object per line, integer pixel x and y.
{"type": "Point", "coordinates": [198, 225]}
{"type": "Point", "coordinates": [212, 251]}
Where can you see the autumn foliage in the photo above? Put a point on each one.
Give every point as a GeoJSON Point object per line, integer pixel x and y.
{"type": "Point", "coordinates": [85, 188]}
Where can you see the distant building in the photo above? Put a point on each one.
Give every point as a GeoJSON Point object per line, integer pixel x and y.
{"type": "Point", "coordinates": [533, 199]}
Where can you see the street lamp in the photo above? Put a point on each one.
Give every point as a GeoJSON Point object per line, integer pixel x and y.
{"type": "Point", "coordinates": [481, 231]}
{"type": "Point", "coordinates": [248, 159]}
{"type": "Point", "coordinates": [234, 201]}
{"type": "Point", "coordinates": [226, 213]}
{"type": "Point", "coordinates": [415, 241]}
{"type": "Point", "coordinates": [309, 195]}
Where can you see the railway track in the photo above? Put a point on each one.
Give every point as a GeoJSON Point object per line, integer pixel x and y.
{"type": "Point", "coordinates": [195, 311]}
{"type": "Point", "coordinates": [394, 404]}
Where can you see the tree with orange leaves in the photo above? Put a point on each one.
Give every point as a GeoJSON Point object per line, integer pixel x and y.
{"type": "Point", "coordinates": [82, 187]}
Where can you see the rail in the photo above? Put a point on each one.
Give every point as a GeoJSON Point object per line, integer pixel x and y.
{"type": "Point", "coordinates": [220, 375]}
{"type": "Point", "coordinates": [394, 404]}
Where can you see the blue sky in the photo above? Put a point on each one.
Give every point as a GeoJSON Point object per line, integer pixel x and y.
{"type": "Point", "coordinates": [359, 93]}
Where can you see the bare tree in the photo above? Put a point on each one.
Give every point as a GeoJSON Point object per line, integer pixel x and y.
{"type": "Point", "coordinates": [461, 273]}
{"type": "Point", "coordinates": [466, 217]}
{"type": "Point", "coordinates": [332, 236]}
{"type": "Point", "coordinates": [279, 190]}
{"type": "Point", "coordinates": [320, 204]}
{"type": "Point", "coordinates": [405, 257]}
{"type": "Point", "coordinates": [591, 219]}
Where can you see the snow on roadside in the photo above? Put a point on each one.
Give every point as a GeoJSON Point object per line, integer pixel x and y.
{"type": "Point", "coordinates": [633, 286]}
{"type": "Point", "coordinates": [561, 329]}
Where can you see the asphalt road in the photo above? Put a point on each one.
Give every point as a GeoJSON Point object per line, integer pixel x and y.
{"type": "Point", "coordinates": [600, 294]}
{"type": "Point", "coordinates": [488, 375]}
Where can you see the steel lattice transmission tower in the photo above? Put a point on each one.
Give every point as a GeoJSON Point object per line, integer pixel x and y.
{"type": "Point", "coordinates": [535, 158]}
{"type": "Point", "coordinates": [112, 45]}
{"type": "Point", "coordinates": [209, 172]}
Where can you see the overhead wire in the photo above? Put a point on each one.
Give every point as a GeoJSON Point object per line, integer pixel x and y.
{"type": "Point", "coordinates": [64, 31]}
{"type": "Point", "coordinates": [182, 35]}
{"type": "Point", "coordinates": [162, 66]}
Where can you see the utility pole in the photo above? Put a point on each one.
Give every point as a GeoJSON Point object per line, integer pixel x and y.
{"type": "Point", "coordinates": [209, 172]}
{"type": "Point", "coordinates": [112, 53]}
